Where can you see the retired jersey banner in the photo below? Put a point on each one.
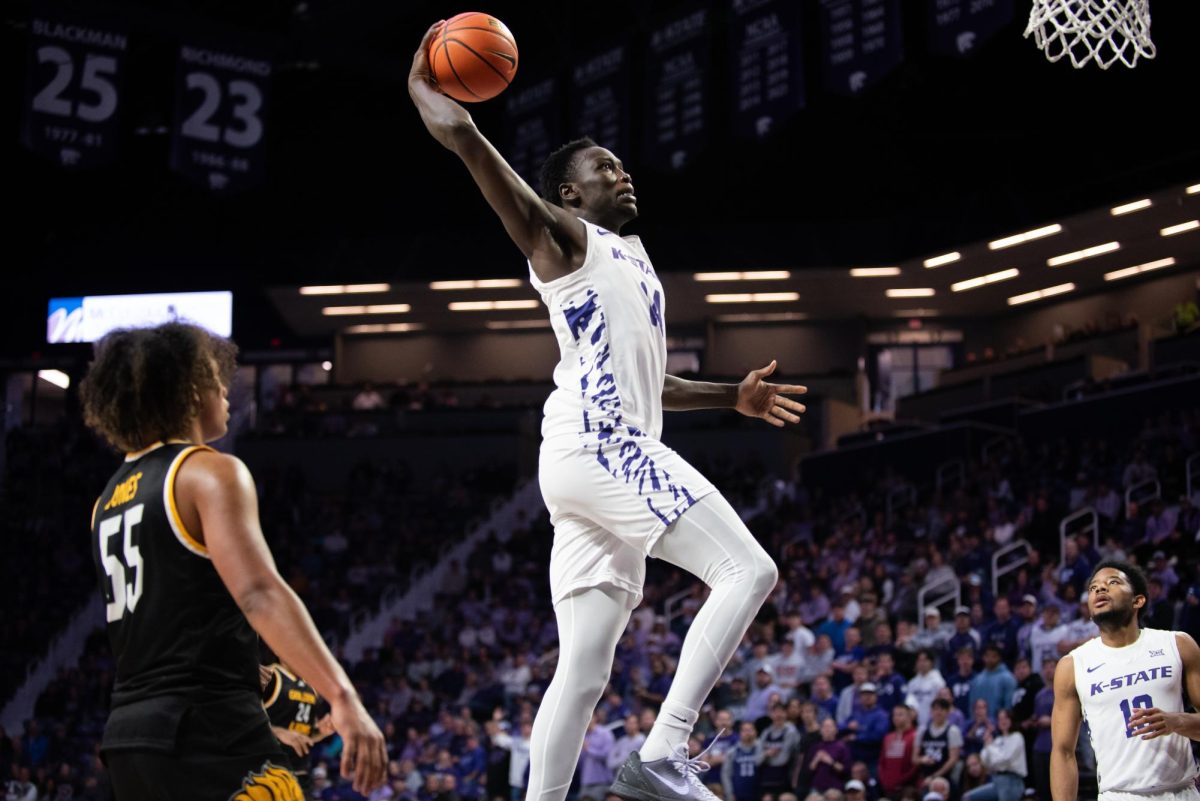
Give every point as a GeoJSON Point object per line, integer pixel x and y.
{"type": "Point", "coordinates": [599, 99]}
{"type": "Point", "coordinates": [218, 136]}
{"type": "Point", "coordinates": [72, 103]}
{"type": "Point", "coordinates": [532, 127]}
{"type": "Point", "coordinates": [957, 27]}
{"type": "Point", "coordinates": [767, 63]}
{"type": "Point", "coordinates": [678, 90]}
{"type": "Point", "coordinates": [861, 42]}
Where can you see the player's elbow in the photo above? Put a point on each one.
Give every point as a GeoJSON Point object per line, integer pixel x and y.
{"type": "Point", "coordinates": [258, 597]}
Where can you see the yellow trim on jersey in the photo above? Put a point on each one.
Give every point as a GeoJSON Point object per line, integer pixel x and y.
{"type": "Point", "coordinates": [278, 687]}
{"type": "Point", "coordinates": [95, 507]}
{"type": "Point", "coordinates": [133, 457]}
{"type": "Point", "coordinates": [279, 666]}
{"type": "Point", "coordinates": [181, 533]}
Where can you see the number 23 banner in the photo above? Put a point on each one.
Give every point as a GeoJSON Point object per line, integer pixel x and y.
{"type": "Point", "coordinates": [218, 137]}
{"type": "Point", "coordinates": [72, 99]}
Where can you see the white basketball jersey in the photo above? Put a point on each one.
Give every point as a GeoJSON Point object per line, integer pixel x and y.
{"type": "Point", "coordinates": [1111, 683]}
{"type": "Point", "coordinates": [608, 318]}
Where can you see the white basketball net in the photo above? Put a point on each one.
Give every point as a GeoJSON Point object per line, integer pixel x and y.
{"type": "Point", "coordinates": [1103, 31]}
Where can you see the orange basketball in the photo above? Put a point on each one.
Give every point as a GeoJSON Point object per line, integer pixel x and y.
{"type": "Point", "coordinates": [473, 57]}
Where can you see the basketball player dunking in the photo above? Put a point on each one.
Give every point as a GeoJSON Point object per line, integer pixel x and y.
{"type": "Point", "coordinates": [188, 579]}
{"type": "Point", "coordinates": [1129, 685]}
{"type": "Point", "coordinates": [616, 494]}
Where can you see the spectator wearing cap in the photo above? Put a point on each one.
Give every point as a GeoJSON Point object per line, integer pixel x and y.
{"type": "Point", "coordinates": [964, 636]}
{"type": "Point", "coordinates": [923, 686]}
{"type": "Point", "coordinates": [848, 698]}
{"type": "Point", "coordinates": [994, 684]}
{"type": "Point", "coordinates": [1029, 619]}
{"type": "Point", "coordinates": [961, 680]}
{"type": "Point", "coordinates": [854, 790]}
{"type": "Point", "coordinates": [938, 790]}
{"type": "Point", "coordinates": [861, 772]}
{"type": "Point", "coordinates": [781, 745]}
{"type": "Point", "coordinates": [1045, 636]}
{"type": "Point", "coordinates": [936, 634]}
{"type": "Point", "coordinates": [759, 702]}
{"type": "Point", "coordinates": [867, 725]}
{"type": "Point", "coordinates": [892, 687]}
{"type": "Point", "coordinates": [897, 756]}
{"type": "Point", "coordinates": [1003, 629]}
{"type": "Point", "coordinates": [835, 627]}
{"type": "Point", "coordinates": [1161, 569]}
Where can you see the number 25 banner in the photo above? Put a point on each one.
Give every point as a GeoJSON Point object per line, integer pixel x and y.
{"type": "Point", "coordinates": [218, 137]}
{"type": "Point", "coordinates": [73, 87]}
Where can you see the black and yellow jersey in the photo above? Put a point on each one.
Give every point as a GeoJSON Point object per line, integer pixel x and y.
{"type": "Point", "coordinates": [291, 703]}
{"type": "Point", "coordinates": [178, 638]}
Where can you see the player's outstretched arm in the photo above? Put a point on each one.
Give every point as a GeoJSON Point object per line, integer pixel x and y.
{"type": "Point", "coordinates": [753, 397]}
{"type": "Point", "coordinates": [1153, 722]}
{"type": "Point", "coordinates": [215, 496]}
{"type": "Point", "coordinates": [554, 241]}
{"type": "Point", "coordinates": [1064, 733]}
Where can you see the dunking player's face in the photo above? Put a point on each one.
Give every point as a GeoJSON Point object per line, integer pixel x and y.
{"type": "Point", "coordinates": [601, 189]}
{"type": "Point", "coordinates": [1112, 599]}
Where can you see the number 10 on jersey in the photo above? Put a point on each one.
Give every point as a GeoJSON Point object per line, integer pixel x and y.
{"type": "Point", "coordinates": [1127, 707]}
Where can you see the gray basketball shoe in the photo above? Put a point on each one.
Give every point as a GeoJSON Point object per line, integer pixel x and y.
{"type": "Point", "coordinates": [673, 778]}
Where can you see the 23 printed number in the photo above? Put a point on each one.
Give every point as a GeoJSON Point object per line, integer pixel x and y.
{"type": "Point", "coordinates": [125, 594]}
{"type": "Point", "coordinates": [246, 128]}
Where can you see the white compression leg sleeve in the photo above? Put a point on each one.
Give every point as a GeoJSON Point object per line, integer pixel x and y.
{"type": "Point", "coordinates": [711, 542]}
{"type": "Point", "coordinates": [589, 624]}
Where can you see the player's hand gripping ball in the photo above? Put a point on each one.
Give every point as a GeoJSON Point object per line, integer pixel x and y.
{"type": "Point", "coordinates": [473, 57]}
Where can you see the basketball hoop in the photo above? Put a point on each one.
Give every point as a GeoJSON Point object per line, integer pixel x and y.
{"type": "Point", "coordinates": [1103, 31]}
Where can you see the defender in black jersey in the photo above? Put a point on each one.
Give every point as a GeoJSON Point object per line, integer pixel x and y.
{"type": "Point", "coordinates": [187, 579]}
{"type": "Point", "coordinates": [296, 713]}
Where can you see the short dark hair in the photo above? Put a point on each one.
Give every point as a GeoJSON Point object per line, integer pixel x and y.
{"type": "Point", "coordinates": [144, 384]}
{"type": "Point", "coordinates": [1137, 579]}
{"type": "Point", "coordinates": [940, 703]}
{"type": "Point", "coordinates": [556, 169]}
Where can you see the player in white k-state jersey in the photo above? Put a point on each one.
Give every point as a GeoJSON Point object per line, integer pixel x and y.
{"type": "Point", "coordinates": [615, 492]}
{"type": "Point", "coordinates": [1128, 684]}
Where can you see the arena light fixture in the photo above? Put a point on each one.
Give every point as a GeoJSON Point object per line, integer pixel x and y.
{"type": "Point", "coordinates": [1028, 236]}
{"type": "Point", "coordinates": [771, 317]}
{"type": "Point", "coordinates": [753, 275]}
{"type": "Point", "coordinates": [1116, 275]}
{"type": "Point", "coordinates": [56, 377]}
{"type": "Point", "coordinates": [1086, 253]}
{"type": "Point", "coordinates": [379, 308]}
{"type": "Point", "coordinates": [1129, 208]}
{"type": "Point", "coordinates": [1194, 189]}
{"type": "Point", "coordinates": [344, 289]}
{"type": "Point", "coordinates": [1171, 230]}
{"type": "Point", "coordinates": [482, 283]}
{"type": "Point", "coordinates": [941, 261]}
{"type": "Point", "coordinates": [873, 272]}
{"type": "Point", "coordinates": [915, 313]}
{"type": "Point", "coordinates": [517, 325]}
{"type": "Point", "coordinates": [492, 305]}
{"type": "Point", "coordinates": [1050, 291]}
{"type": "Point", "coordinates": [912, 292]}
{"type": "Point", "coordinates": [753, 297]}
{"type": "Point", "coordinates": [983, 280]}
{"type": "Point", "coordinates": [384, 328]}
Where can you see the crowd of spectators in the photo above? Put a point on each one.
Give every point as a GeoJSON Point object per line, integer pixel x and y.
{"type": "Point", "coordinates": [844, 687]}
